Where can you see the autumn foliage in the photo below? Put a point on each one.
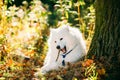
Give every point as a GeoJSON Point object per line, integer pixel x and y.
{"type": "Point", "coordinates": [23, 41]}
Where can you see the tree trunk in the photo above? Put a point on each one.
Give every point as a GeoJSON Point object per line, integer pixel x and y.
{"type": "Point", "coordinates": [106, 40]}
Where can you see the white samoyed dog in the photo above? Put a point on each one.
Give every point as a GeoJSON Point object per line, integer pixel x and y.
{"type": "Point", "coordinates": [65, 45]}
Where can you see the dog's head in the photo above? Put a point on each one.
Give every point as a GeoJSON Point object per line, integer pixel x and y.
{"type": "Point", "coordinates": [61, 38]}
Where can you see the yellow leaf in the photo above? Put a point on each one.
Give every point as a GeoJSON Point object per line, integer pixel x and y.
{"type": "Point", "coordinates": [74, 78]}
{"type": "Point", "coordinates": [30, 53]}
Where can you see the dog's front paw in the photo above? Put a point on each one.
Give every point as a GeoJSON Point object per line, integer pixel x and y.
{"type": "Point", "coordinates": [37, 74]}
{"type": "Point", "coordinates": [43, 70]}
{"type": "Point", "coordinates": [40, 72]}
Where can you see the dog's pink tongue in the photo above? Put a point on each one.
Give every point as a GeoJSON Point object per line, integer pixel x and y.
{"type": "Point", "coordinates": [63, 50]}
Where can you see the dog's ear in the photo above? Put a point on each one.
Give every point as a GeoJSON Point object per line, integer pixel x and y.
{"type": "Point", "coordinates": [66, 27]}
{"type": "Point", "coordinates": [52, 31]}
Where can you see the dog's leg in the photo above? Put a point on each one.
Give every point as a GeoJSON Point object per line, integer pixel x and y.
{"type": "Point", "coordinates": [48, 67]}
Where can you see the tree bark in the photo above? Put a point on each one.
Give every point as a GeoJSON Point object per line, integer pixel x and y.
{"type": "Point", "coordinates": [106, 39]}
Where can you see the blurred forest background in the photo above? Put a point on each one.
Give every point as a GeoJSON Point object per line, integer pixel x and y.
{"type": "Point", "coordinates": [24, 30]}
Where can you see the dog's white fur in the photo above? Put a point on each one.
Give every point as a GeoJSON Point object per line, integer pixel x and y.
{"type": "Point", "coordinates": [71, 38]}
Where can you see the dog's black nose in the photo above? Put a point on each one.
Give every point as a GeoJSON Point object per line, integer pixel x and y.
{"type": "Point", "coordinates": [58, 47]}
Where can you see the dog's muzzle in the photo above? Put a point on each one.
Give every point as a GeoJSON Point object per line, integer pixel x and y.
{"type": "Point", "coordinates": [64, 50]}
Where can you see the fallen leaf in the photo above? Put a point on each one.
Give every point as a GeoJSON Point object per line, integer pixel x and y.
{"type": "Point", "coordinates": [101, 71]}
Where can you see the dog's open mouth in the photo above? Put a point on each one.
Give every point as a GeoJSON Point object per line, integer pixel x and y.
{"type": "Point", "coordinates": [64, 50]}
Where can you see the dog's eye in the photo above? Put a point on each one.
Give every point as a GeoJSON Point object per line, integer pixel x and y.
{"type": "Point", "coordinates": [55, 41]}
{"type": "Point", "coordinates": [61, 38]}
